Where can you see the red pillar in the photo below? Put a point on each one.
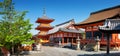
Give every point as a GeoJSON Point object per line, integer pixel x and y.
{"type": "Point", "coordinates": [72, 40]}
{"type": "Point", "coordinates": [76, 38]}
{"type": "Point", "coordinates": [62, 38]}
{"type": "Point", "coordinates": [92, 33]}
{"type": "Point", "coordinates": [67, 37]}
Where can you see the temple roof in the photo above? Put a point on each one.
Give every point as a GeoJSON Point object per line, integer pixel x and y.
{"type": "Point", "coordinates": [102, 15]}
{"type": "Point", "coordinates": [72, 20]}
{"type": "Point", "coordinates": [111, 25]}
{"type": "Point", "coordinates": [62, 25]}
{"type": "Point", "coordinates": [71, 30]}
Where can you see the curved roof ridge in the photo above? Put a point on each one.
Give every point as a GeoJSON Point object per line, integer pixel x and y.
{"type": "Point", "coordinates": [102, 15]}
{"type": "Point", "coordinates": [57, 28]}
{"type": "Point", "coordinates": [118, 6]}
{"type": "Point", "coordinates": [65, 22]}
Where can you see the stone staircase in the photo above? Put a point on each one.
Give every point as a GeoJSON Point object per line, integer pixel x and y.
{"type": "Point", "coordinates": [90, 47]}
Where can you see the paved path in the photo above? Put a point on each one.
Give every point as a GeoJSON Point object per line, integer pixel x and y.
{"type": "Point", "coordinates": [54, 51]}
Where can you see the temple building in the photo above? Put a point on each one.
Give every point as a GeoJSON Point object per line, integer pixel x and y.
{"type": "Point", "coordinates": [44, 26]}
{"type": "Point", "coordinates": [111, 26]}
{"type": "Point", "coordinates": [97, 19]}
{"type": "Point", "coordinates": [65, 33]}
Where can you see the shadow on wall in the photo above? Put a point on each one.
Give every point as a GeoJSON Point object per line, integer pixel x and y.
{"type": "Point", "coordinates": [102, 54]}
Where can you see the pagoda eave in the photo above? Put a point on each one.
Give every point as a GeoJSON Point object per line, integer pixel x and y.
{"type": "Point", "coordinates": [44, 28]}
{"type": "Point", "coordinates": [42, 36]}
{"type": "Point", "coordinates": [39, 20]}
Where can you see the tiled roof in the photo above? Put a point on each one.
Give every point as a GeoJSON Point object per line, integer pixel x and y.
{"type": "Point", "coordinates": [71, 30]}
{"type": "Point", "coordinates": [111, 24]}
{"type": "Point", "coordinates": [57, 27]}
{"type": "Point", "coordinates": [72, 20]}
{"type": "Point", "coordinates": [102, 15]}
{"type": "Point", "coordinates": [44, 19]}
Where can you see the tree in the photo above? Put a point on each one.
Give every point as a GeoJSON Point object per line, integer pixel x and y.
{"type": "Point", "coordinates": [14, 29]}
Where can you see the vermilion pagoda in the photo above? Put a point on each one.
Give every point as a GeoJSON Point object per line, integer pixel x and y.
{"type": "Point", "coordinates": [44, 26]}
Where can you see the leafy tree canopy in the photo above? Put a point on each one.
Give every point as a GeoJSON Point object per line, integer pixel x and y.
{"type": "Point", "coordinates": [14, 28]}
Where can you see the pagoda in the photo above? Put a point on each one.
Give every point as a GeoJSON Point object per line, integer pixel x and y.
{"type": "Point", "coordinates": [44, 26]}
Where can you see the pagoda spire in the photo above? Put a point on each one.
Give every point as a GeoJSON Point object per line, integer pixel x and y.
{"type": "Point", "coordinates": [44, 12]}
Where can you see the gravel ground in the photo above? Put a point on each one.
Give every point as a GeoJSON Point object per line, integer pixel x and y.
{"type": "Point", "coordinates": [55, 51]}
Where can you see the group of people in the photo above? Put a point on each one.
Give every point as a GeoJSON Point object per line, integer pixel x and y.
{"type": "Point", "coordinates": [36, 46]}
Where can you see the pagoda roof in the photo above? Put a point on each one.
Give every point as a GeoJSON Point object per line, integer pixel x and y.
{"type": "Point", "coordinates": [62, 25]}
{"type": "Point", "coordinates": [34, 37]}
{"type": "Point", "coordinates": [43, 28]}
{"type": "Point", "coordinates": [44, 19]}
{"type": "Point", "coordinates": [101, 15]}
{"type": "Point", "coordinates": [42, 36]}
{"type": "Point", "coordinates": [111, 25]}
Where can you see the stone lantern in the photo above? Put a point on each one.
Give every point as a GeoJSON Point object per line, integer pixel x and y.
{"type": "Point", "coordinates": [97, 44]}
{"type": "Point", "coordinates": [60, 45]}
{"type": "Point", "coordinates": [78, 43]}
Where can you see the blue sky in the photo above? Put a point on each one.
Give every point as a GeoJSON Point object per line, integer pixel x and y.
{"type": "Point", "coordinates": [62, 10]}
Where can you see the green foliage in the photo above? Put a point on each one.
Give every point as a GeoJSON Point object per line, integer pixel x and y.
{"type": "Point", "coordinates": [14, 28]}
{"type": "Point", "coordinates": [29, 42]}
{"type": "Point", "coordinates": [1, 45]}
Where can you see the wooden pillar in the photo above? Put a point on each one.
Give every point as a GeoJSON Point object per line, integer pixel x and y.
{"type": "Point", "coordinates": [76, 37]}
{"type": "Point", "coordinates": [92, 33]}
{"type": "Point", "coordinates": [108, 43]}
{"type": "Point", "coordinates": [72, 40]}
{"type": "Point", "coordinates": [67, 40]}
{"type": "Point", "coordinates": [62, 38]}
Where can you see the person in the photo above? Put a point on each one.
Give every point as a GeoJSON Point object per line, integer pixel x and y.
{"type": "Point", "coordinates": [33, 45]}
{"type": "Point", "coordinates": [5, 51]}
{"type": "Point", "coordinates": [38, 46]}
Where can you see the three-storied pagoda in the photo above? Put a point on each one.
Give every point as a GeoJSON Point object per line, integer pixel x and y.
{"type": "Point", "coordinates": [44, 26]}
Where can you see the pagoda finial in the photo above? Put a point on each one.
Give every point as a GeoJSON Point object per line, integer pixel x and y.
{"type": "Point", "coordinates": [44, 12]}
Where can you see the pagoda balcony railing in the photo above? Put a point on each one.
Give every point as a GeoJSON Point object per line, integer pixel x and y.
{"type": "Point", "coordinates": [42, 34]}
{"type": "Point", "coordinates": [44, 27]}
